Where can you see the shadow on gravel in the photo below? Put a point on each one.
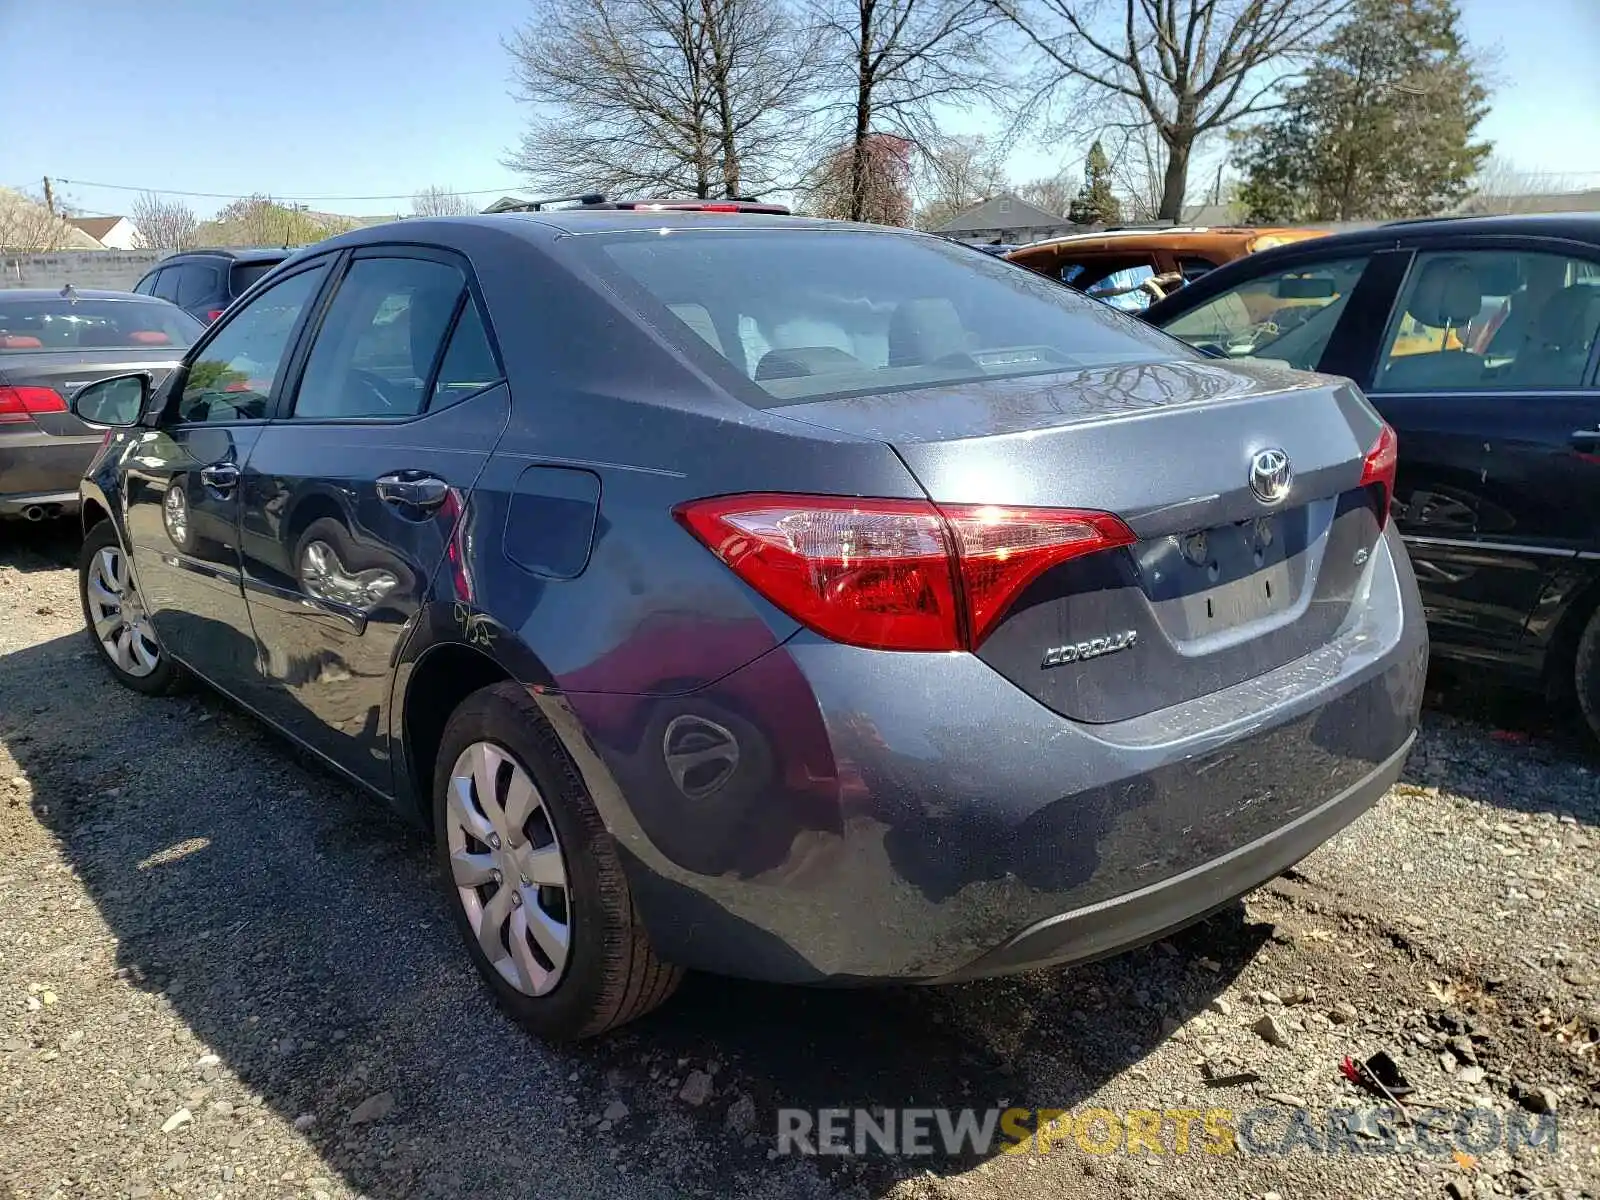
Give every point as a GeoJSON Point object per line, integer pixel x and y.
{"type": "Point", "coordinates": [40, 545]}
{"type": "Point", "coordinates": [1505, 746]}
{"type": "Point", "coordinates": [297, 930]}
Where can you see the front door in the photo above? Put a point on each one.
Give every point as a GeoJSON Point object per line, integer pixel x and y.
{"type": "Point", "coordinates": [183, 476]}
{"type": "Point", "coordinates": [1488, 362]}
{"type": "Point", "coordinates": [353, 493]}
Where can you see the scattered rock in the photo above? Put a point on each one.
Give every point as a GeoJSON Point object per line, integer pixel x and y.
{"type": "Point", "coordinates": [1287, 1098]}
{"type": "Point", "coordinates": [1221, 1006]}
{"type": "Point", "coordinates": [373, 1108]}
{"type": "Point", "coordinates": [304, 1122]}
{"type": "Point", "coordinates": [615, 1112]}
{"type": "Point", "coordinates": [222, 1108]}
{"type": "Point", "coordinates": [1266, 997]}
{"type": "Point", "coordinates": [177, 1120]}
{"type": "Point", "coordinates": [207, 1060]}
{"type": "Point", "coordinates": [1271, 1031]}
{"type": "Point", "coordinates": [741, 1117]}
{"type": "Point", "coordinates": [1460, 1189]}
{"type": "Point", "coordinates": [1342, 1013]}
{"type": "Point", "coordinates": [1535, 1099]}
{"type": "Point", "coordinates": [1461, 1047]}
{"type": "Point", "coordinates": [1470, 1076]}
{"type": "Point", "coordinates": [696, 1089]}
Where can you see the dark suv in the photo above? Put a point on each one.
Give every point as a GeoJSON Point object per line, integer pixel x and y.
{"type": "Point", "coordinates": [204, 282]}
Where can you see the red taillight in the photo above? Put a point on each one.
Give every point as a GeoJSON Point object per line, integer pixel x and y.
{"type": "Point", "coordinates": [718, 207]}
{"type": "Point", "coordinates": [893, 574]}
{"type": "Point", "coordinates": [1379, 469]}
{"type": "Point", "coordinates": [21, 403]}
{"type": "Point", "coordinates": [212, 314]}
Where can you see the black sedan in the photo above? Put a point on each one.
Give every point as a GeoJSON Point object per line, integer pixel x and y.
{"type": "Point", "coordinates": [51, 344]}
{"type": "Point", "coordinates": [1476, 340]}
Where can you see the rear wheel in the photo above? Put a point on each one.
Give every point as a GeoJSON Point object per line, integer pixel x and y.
{"type": "Point", "coordinates": [1587, 673]}
{"type": "Point", "coordinates": [533, 877]}
{"type": "Point", "coordinates": [115, 616]}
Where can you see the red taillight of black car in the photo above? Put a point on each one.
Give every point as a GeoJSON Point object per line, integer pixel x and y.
{"type": "Point", "coordinates": [894, 574]}
{"type": "Point", "coordinates": [19, 404]}
{"type": "Point", "coordinates": [1379, 469]}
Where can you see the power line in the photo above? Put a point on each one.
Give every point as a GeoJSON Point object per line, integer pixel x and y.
{"type": "Point", "coordinates": [122, 187]}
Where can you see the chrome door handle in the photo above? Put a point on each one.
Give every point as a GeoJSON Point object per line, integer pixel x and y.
{"type": "Point", "coordinates": [221, 476]}
{"type": "Point", "coordinates": [413, 489]}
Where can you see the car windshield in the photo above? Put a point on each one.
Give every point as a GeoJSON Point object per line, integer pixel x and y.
{"type": "Point", "coordinates": [73, 323]}
{"type": "Point", "coordinates": [805, 313]}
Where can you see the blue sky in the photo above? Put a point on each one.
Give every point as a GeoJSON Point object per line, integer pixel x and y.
{"type": "Point", "coordinates": [357, 98]}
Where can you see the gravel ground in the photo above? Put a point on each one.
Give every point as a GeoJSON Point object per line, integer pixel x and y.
{"type": "Point", "coordinates": [222, 974]}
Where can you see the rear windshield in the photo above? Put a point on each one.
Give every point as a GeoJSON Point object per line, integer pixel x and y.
{"type": "Point", "coordinates": [244, 275]}
{"type": "Point", "coordinates": [802, 314]}
{"type": "Point", "coordinates": [29, 326]}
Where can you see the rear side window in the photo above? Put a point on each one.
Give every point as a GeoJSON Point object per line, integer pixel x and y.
{"type": "Point", "coordinates": [800, 314]}
{"type": "Point", "coordinates": [197, 283]}
{"type": "Point", "coordinates": [64, 324]}
{"type": "Point", "coordinates": [166, 284]}
{"type": "Point", "coordinates": [242, 276]}
{"type": "Point", "coordinates": [469, 364]}
{"type": "Point", "coordinates": [379, 339]}
{"type": "Point", "coordinates": [1288, 315]}
{"type": "Point", "coordinates": [1492, 319]}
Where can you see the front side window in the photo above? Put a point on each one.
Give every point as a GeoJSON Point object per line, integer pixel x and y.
{"type": "Point", "coordinates": [1288, 315]}
{"type": "Point", "coordinates": [232, 380]}
{"type": "Point", "coordinates": [379, 340]}
{"type": "Point", "coordinates": [799, 314]}
{"type": "Point", "coordinates": [65, 323]}
{"type": "Point", "coordinates": [1492, 319]}
{"type": "Point", "coordinates": [147, 285]}
{"type": "Point", "coordinates": [166, 284]}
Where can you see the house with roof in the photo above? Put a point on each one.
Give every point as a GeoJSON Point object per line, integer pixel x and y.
{"type": "Point", "coordinates": [1006, 219]}
{"type": "Point", "coordinates": [112, 233]}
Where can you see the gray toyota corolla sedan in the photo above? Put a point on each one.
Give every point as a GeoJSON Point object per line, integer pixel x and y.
{"type": "Point", "coordinates": [795, 600]}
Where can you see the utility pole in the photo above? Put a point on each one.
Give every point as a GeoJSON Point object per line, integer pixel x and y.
{"type": "Point", "coordinates": [49, 196]}
{"type": "Point", "coordinates": [1216, 190]}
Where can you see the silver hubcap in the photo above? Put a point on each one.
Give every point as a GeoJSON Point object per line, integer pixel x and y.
{"type": "Point", "coordinates": [117, 614]}
{"type": "Point", "coordinates": [506, 860]}
{"type": "Point", "coordinates": [175, 512]}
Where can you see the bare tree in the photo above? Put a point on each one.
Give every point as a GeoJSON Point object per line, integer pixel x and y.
{"type": "Point", "coordinates": [261, 221]}
{"type": "Point", "coordinates": [671, 96]}
{"type": "Point", "coordinates": [162, 224]}
{"type": "Point", "coordinates": [1500, 186]}
{"type": "Point", "coordinates": [1187, 67]}
{"type": "Point", "coordinates": [957, 173]}
{"type": "Point", "coordinates": [436, 201]}
{"type": "Point", "coordinates": [893, 62]}
{"type": "Point", "coordinates": [1054, 193]}
{"type": "Point", "coordinates": [28, 226]}
{"type": "Point", "coordinates": [842, 189]}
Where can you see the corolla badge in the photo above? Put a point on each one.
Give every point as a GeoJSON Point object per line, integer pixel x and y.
{"type": "Point", "coordinates": [1060, 656]}
{"type": "Point", "coordinates": [1271, 475]}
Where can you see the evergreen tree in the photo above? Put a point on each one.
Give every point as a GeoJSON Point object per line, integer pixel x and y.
{"type": "Point", "coordinates": [1380, 127]}
{"type": "Point", "coordinates": [1096, 203]}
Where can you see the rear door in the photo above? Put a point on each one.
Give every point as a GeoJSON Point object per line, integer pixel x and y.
{"type": "Point", "coordinates": [181, 486]}
{"type": "Point", "coordinates": [354, 491]}
{"type": "Point", "coordinates": [1489, 357]}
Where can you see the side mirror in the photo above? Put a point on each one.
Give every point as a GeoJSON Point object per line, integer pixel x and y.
{"type": "Point", "coordinates": [117, 401]}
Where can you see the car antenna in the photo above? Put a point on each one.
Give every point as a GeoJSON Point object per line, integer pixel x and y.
{"type": "Point", "coordinates": [69, 294]}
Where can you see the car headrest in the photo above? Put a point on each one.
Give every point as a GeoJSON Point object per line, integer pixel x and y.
{"type": "Point", "coordinates": [796, 361]}
{"type": "Point", "coordinates": [149, 337]}
{"type": "Point", "coordinates": [1568, 319]}
{"type": "Point", "coordinates": [924, 331]}
{"type": "Point", "coordinates": [19, 341]}
{"type": "Point", "coordinates": [1447, 294]}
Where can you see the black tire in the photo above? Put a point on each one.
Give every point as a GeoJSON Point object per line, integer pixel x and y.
{"type": "Point", "coordinates": [612, 974]}
{"type": "Point", "coordinates": [168, 677]}
{"type": "Point", "coordinates": [1586, 673]}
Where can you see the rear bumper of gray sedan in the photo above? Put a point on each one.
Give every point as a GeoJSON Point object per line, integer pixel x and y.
{"type": "Point", "coordinates": [918, 818]}
{"type": "Point", "coordinates": [38, 470]}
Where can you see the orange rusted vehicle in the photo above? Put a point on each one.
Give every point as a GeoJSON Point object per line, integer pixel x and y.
{"type": "Point", "coordinates": [1132, 268]}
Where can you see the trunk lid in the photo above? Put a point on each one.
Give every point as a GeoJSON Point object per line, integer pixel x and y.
{"type": "Point", "coordinates": [1221, 586]}
{"type": "Point", "coordinates": [67, 371]}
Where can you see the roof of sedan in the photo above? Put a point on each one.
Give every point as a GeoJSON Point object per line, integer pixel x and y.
{"type": "Point", "coordinates": [599, 220]}
{"type": "Point", "coordinates": [79, 293]}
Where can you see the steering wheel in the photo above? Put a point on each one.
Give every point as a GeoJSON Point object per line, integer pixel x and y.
{"type": "Point", "coordinates": [374, 383]}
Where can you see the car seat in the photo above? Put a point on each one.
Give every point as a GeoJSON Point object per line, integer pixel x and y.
{"type": "Point", "coordinates": [1446, 297]}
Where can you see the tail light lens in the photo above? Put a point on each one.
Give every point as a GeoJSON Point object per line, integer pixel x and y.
{"type": "Point", "coordinates": [19, 404]}
{"type": "Point", "coordinates": [1379, 469]}
{"type": "Point", "coordinates": [893, 574]}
